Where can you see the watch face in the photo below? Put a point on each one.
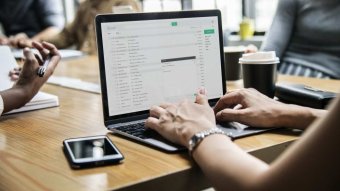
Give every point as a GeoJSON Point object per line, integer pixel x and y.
{"type": "Point", "coordinates": [194, 140]}
{"type": "Point", "coordinates": [191, 145]}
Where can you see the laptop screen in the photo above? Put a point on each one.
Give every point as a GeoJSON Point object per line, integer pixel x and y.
{"type": "Point", "coordinates": [7, 63]}
{"type": "Point", "coordinates": [148, 62]}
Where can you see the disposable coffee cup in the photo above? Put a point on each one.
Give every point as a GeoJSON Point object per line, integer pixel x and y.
{"type": "Point", "coordinates": [122, 9]}
{"type": "Point", "coordinates": [259, 71]}
{"type": "Point", "coordinates": [232, 54]}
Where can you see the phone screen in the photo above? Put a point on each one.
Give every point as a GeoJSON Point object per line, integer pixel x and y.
{"type": "Point", "coordinates": [91, 151]}
{"type": "Point", "coordinates": [95, 148]}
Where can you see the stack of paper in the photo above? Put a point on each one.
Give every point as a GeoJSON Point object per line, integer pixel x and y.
{"type": "Point", "coordinates": [39, 101]}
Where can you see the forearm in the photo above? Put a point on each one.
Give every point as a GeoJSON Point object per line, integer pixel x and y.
{"type": "Point", "coordinates": [65, 38]}
{"type": "Point", "coordinates": [299, 117]}
{"type": "Point", "coordinates": [276, 38]}
{"type": "Point", "coordinates": [46, 33]}
{"type": "Point", "coordinates": [226, 165]}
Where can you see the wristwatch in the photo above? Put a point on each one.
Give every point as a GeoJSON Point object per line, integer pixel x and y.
{"type": "Point", "coordinates": [198, 137]}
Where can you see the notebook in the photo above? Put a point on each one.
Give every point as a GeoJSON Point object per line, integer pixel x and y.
{"type": "Point", "coordinates": [149, 58]}
{"type": "Point", "coordinates": [39, 101]}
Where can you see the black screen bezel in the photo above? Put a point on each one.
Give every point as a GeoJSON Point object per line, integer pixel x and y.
{"type": "Point", "coordinates": [139, 17]}
{"type": "Point", "coordinates": [88, 162]}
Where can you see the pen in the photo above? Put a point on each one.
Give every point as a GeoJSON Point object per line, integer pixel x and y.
{"type": "Point", "coordinates": [42, 69]}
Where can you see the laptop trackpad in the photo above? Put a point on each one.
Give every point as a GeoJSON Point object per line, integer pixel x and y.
{"type": "Point", "coordinates": [162, 144]}
{"type": "Point", "coordinates": [237, 130]}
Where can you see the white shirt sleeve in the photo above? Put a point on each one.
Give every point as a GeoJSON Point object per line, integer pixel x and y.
{"type": "Point", "coordinates": [1, 105]}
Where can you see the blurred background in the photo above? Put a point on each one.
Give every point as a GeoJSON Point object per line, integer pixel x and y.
{"type": "Point", "coordinates": [260, 12]}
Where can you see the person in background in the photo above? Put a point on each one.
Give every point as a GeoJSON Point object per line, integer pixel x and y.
{"type": "Point", "coordinates": [34, 19]}
{"type": "Point", "coordinates": [305, 35]}
{"type": "Point", "coordinates": [312, 163]}
{"type": "Point", "coordinates": [81, 32]}
{"type": "Point", "coordinates": [29, 82]}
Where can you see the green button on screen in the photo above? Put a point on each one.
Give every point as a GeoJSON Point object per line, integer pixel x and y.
{"type": "Point", "coordinates": [173, 24]}
{"type": "Point", "coordinates": [209, 31]}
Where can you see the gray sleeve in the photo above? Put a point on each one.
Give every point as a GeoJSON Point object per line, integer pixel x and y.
{"type": "Point", "coordinates": [50, 13]}
{"type": "Point", "coordinates": [279, 34]}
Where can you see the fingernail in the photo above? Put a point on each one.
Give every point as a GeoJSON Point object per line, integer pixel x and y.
{"type": "Point", "coordinates": [238, 106]}
{"type": "Point", "coordinates": [202, 91]}
{"type": "Point", "coordinates": [218, 114]}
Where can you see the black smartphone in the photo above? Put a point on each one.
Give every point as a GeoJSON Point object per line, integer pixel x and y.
{"type": "Point", "coordinates": [85, 152]}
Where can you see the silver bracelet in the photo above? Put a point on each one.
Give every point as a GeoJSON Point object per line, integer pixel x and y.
{"type": "Point", "coordinates": [198, 137]}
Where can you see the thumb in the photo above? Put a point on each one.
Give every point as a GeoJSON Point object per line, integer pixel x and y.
{"type": "Point", "coordinates": [201, 98]}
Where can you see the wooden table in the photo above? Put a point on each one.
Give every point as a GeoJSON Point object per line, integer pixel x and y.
{"type": "Point", "coordinates": [31, 155]}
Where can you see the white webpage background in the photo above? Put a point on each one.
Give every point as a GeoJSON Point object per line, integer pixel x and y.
{"type": "Point", "coordinates": [155, 61]}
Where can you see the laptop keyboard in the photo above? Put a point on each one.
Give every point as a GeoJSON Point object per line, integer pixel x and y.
{"type": "Point", "coordinates": [138, 130]}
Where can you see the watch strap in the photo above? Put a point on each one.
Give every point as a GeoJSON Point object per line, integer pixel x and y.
{"type": "Point", "coordinates": [198, 137]}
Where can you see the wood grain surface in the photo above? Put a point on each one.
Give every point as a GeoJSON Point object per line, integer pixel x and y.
{"type": "Point", "coordinates": [32, 158]}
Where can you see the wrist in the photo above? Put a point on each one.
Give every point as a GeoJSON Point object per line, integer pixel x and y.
{"type": "Point", "coordinates": [299, 117]}
{"type": "Point", "coordinates": [216, 143]}
{"type": "Point", "coordinates": [199, 137]}
{"type": "Point", "coordinates": [14, 98]}
{"type": "Point", "coordinates": [24, 92]}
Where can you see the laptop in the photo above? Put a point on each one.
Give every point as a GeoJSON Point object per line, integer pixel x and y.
{"type": "Point", "coordinates": [149, 58]}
